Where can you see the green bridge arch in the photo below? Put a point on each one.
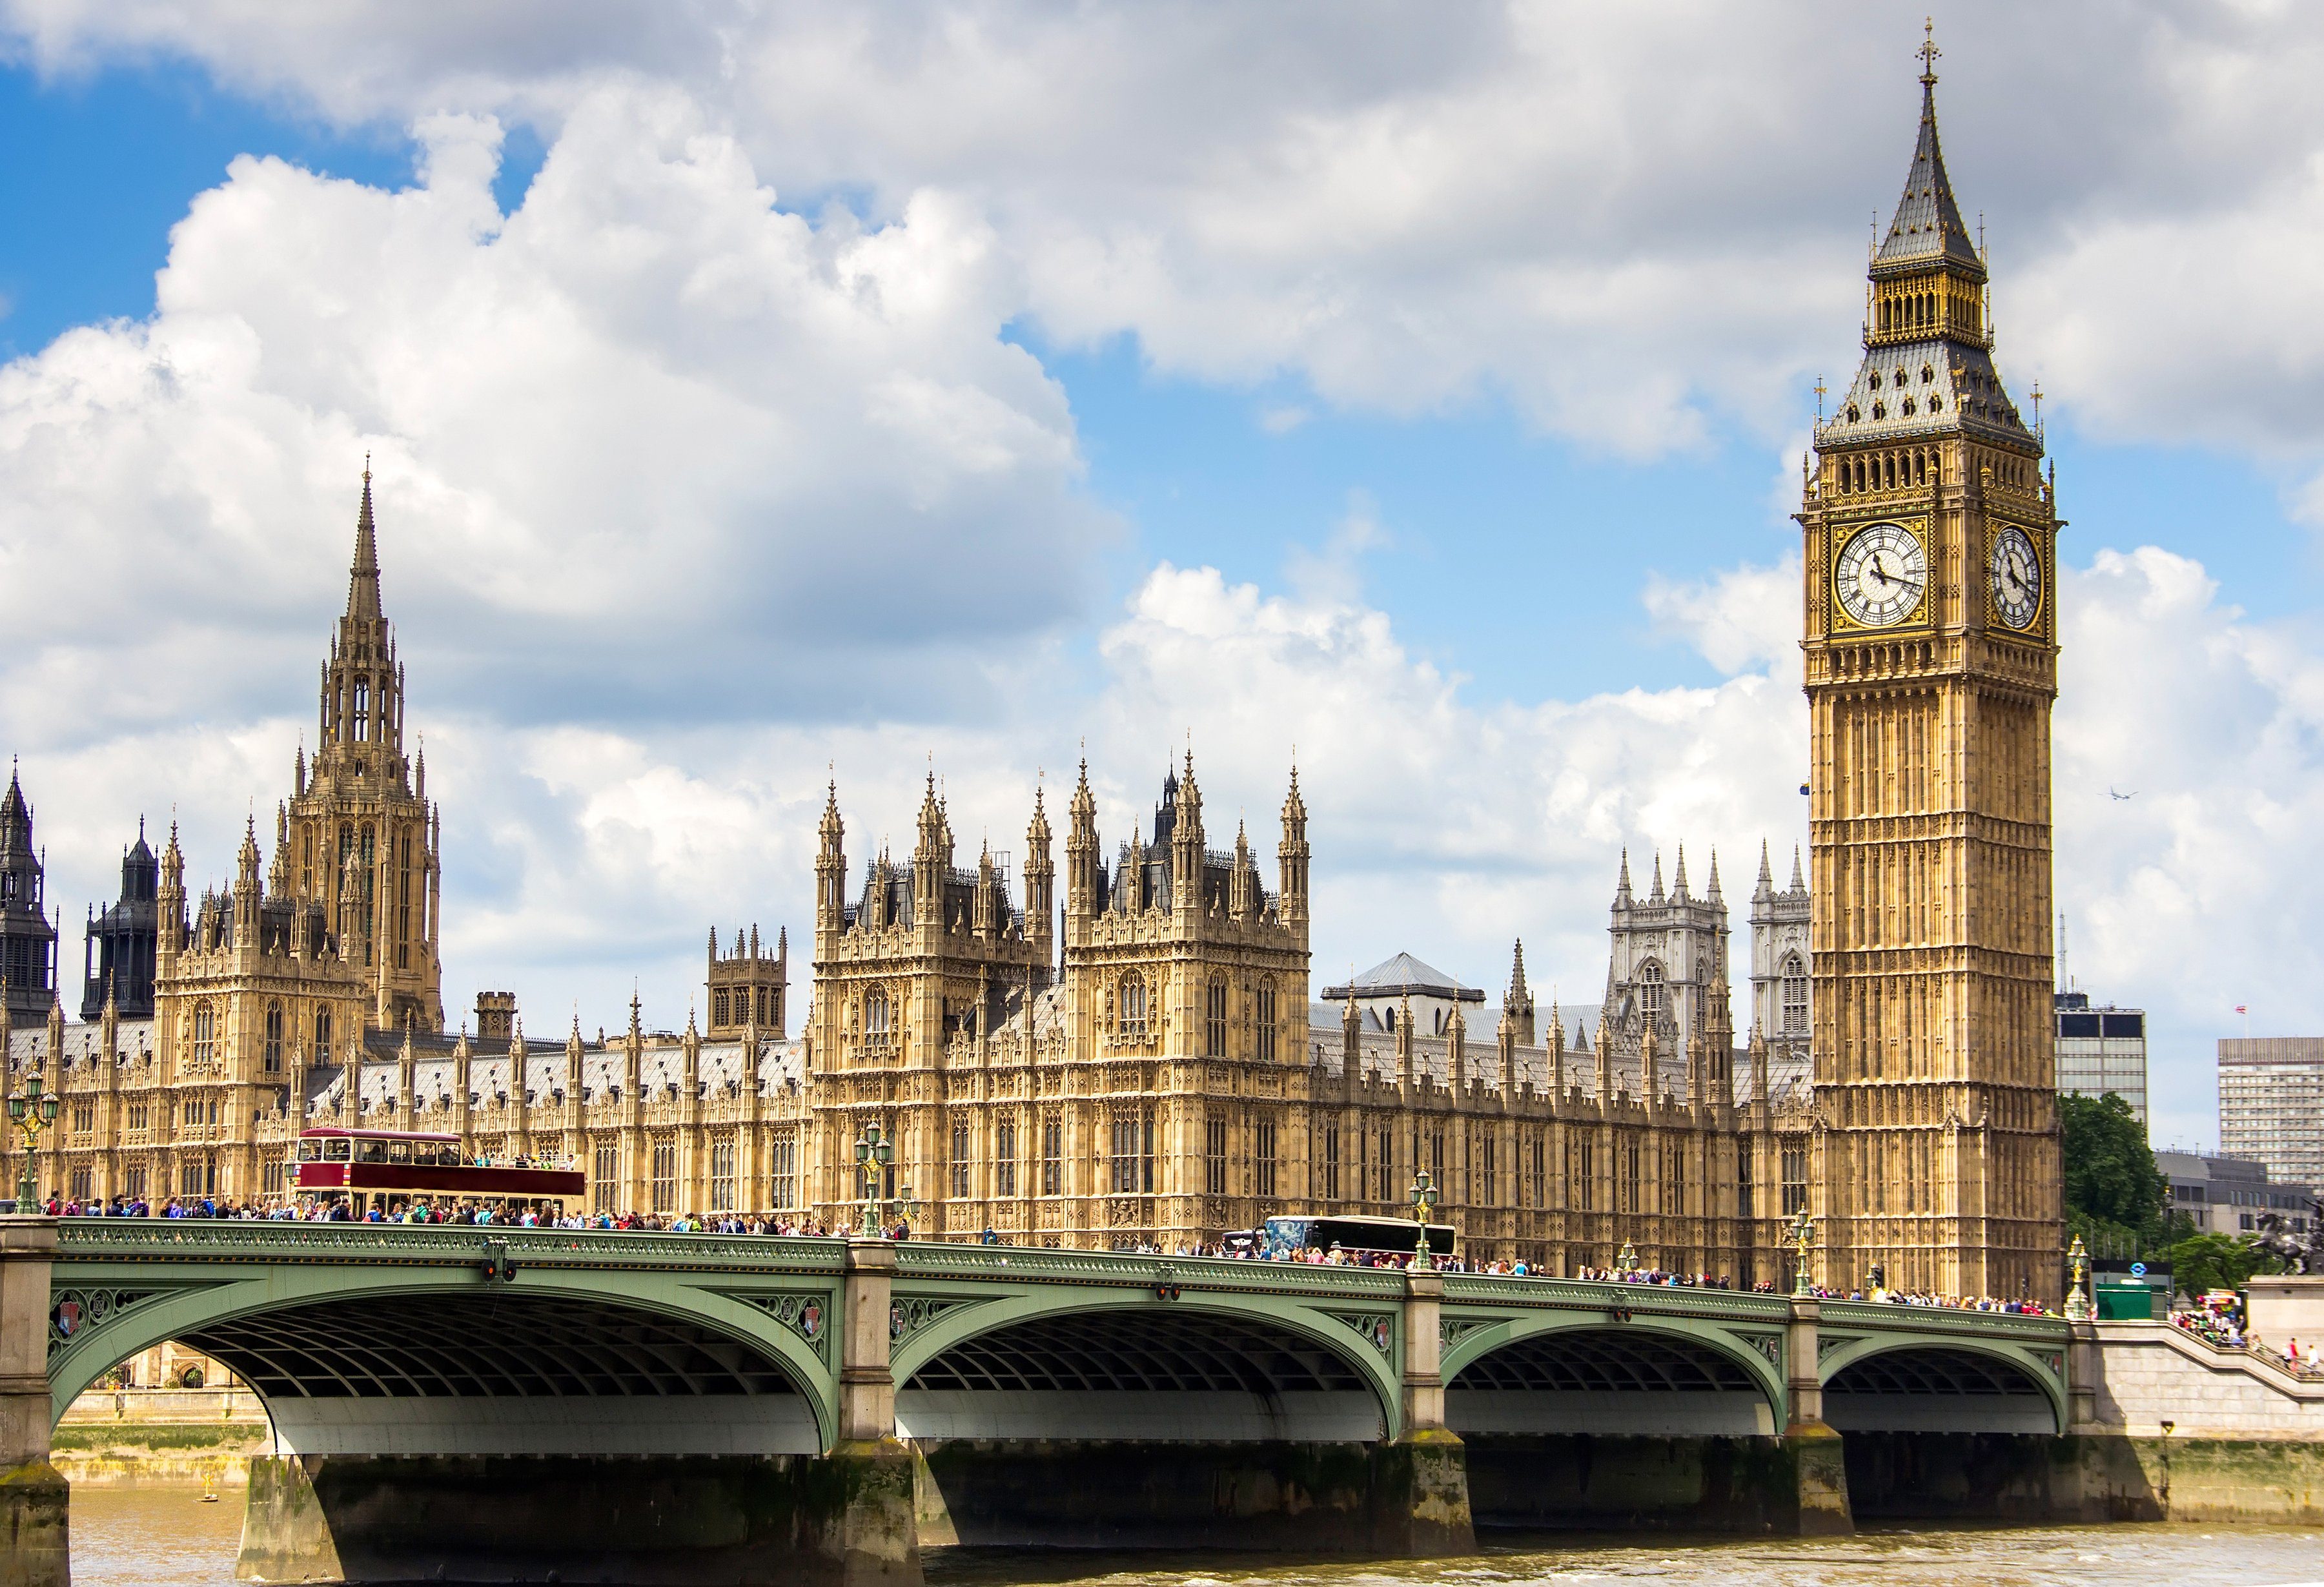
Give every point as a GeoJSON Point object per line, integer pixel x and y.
{"type": "Point", "coordinates": [1473, 1339]}
{"type": "Point", "coordinates": [784, 1299]}
{"type": "Point", "coordinates": [967, 1315]}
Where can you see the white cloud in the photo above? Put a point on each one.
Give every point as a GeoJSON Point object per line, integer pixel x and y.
{"type": "Point", "coordinates": [684, 494]}
{"type": "Point", "coordinates": [645, 437]}
{"type": "Point", "coordinates": [1629, 222]}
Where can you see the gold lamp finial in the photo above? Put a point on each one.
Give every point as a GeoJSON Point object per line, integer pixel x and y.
{"type": "Point", "coordinates": [1928, 51]}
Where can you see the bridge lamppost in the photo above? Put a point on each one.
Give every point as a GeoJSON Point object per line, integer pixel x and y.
{"type": "Point", "coordinates": [874, 1151]}
{"type": "Point", "coordinates": [1626, 1260]}
{"type": "Point", "coordinates": [2078, 1299]}
{"type": "Point", "coordinates": [906, 1206]}
{"type": "Point", "coordinates": [1424, 1203]}
{"type": "Point", "coordinates": [32, 1110]}
{"type": "Point", "coordinates": [1802, 1230]}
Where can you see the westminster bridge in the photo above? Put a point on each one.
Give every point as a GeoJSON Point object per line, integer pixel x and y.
{"type": "Point", "coordinates": [475, 1403]}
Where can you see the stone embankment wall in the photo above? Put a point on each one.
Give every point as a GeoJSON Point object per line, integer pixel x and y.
{"type": "Point", "coordinates": [2150, 1373]}
{"type": "Point", "coordinates": [113, 1438]}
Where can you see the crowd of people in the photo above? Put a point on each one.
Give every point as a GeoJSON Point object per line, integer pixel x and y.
{"type": "Point", "coordinates": [2217, 1320]}
{"type": "Point", "coordinates": [2219, 1327]}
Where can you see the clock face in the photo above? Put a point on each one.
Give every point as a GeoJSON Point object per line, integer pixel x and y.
{"type": "Point", "coordinates": [2016, 574]}
{"type": "Point", "coordinates": [1881, 575]}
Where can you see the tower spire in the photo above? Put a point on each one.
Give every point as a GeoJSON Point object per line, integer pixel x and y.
{"type": "Point", "coordinates": [1928, 225]}
{"type": "Point", "coordinates": [363, 577]}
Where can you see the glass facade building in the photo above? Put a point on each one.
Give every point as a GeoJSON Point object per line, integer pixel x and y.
{"type": "Point", "coordinates": [2101, 1049]}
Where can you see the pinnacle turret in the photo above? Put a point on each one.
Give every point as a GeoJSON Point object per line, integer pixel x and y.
{"type": "Point", "coordinates": [363, 576]}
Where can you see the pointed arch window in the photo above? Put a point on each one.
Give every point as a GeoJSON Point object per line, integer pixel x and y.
{"type": "Point", "coordinates": [272, 1053]}
{"type": "Point", "coordinates": [1133, 1004]}
{"type": "Point", "coordinates": [1265, 1014]}
{"type": "Point", "coordinates": [363, 709]}
{"type": "Point", "coordinates": [1214, 1017]}
{"type": "Point", "coordinates": [322, 1035]}
{"type": "Point", "coordinates": [878, 1015]}
{"type": "Point", "coordinates": [1650, 990]}
{"type": "Point", "coordinates": [1794, 977]}
{"type": "Point", "coordinates": [205, 1035]}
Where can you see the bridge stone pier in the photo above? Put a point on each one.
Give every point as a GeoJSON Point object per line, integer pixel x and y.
{"type": "Point", "coordinates": [485, 1406]}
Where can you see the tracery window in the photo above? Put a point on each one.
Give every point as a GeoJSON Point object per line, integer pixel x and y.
{"type": "Point", "coordinates": [1263, 1155]}
{"type": "Point", "coordinates": [1053, 1156]}
{"type": "Point", "coordinates": [1133, 1150]}
{"type": "Point", "coordinates": [1265, 1014]}
{"type": "Point", "coordinates": [1795, 984]}
{"type": "Point", "coordinates": [363, 710]}
{"type": "Point", "coordinates": [1795, 1176]}
{"type": "Point", "coordinates": [718, 1008]}
{"type": "Point", "coordinates": [1331, 1162]}
{"type": "Point", "coordinates": [722, 1174]}
{"type": "Point", "coordinates": [1650, 990]}
{"type": "Point", "coordinates": [959, 1153]}
{"type": "Point", "coordinates": [877, 1015]}
{"type": "Point", "coordinates": [604, 1171]}
{"type": "Point", "coordinates": [1214, 1017]}
{"type": "Point", "coordinates": [1215, 1154]}
{"type": "Point", "coordinates": [1004, 1158]}
{"type": "Point", "coordinates": [205, 1035]}
{"type": "Point", "coordinates": [782, 1165]}
{"type": "Point", "coordinates": [1132, 1005]}
{"type": "Point", "coordinates": [322, 1036]}
{"type": "Point", "coordinates": [665, 1176]}
{"type": "Point", "coordinates": [272, 1056]}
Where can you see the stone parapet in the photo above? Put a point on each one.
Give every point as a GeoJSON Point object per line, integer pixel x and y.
{"type": "Point", "coordinates": [2151, 1373]}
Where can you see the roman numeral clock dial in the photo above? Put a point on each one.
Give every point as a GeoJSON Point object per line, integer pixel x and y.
{"type": "Point", "coordinates": [1882, 574]}
{"type": "Point", "coordinates": [2017, 574]}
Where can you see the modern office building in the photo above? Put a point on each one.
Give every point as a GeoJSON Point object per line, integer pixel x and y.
{"type": "Point", "coordinates": [2271, 1104]}
{"type": "Point", "coordinates": [2101, 1049]}
{"type": "Point", "coordinates": [2228, 1194]}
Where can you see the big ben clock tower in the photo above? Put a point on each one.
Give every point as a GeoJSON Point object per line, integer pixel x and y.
{"type": "Point", "coordinates": [1931, 661]}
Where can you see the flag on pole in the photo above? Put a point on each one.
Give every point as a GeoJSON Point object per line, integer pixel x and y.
{"type": "Point", "coordinates": [2241, 1010]}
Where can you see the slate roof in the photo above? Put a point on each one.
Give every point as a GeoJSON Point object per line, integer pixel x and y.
{"type": "Point", "coordinates": [1927, 225]}
{"type": "Point", "coordinates": [1402, 976]}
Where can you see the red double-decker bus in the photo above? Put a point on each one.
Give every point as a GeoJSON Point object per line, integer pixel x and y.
{"type": "Point", "coordinates": [379, 1167]}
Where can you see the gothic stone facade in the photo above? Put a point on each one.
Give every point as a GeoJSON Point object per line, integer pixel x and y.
{"type": "Point", "coordinates": [1136, 1060]}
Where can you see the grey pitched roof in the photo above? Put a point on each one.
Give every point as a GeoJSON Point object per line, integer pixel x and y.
{"type": "Point", "coordinates": [1404, 975]}
{"type": "Point", "coordinates": [1927, 225]}
{"type": "Point", "coordinates": [1962, 391]}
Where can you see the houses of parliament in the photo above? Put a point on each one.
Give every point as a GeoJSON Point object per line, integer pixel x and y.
{"type": "Point", "coordinates": [1132, 1052]}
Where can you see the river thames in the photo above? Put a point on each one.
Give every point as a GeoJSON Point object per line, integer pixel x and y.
{"type": "Point", "coordinates": [168, 1537]}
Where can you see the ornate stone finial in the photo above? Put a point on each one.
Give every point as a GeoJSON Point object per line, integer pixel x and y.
{"type": "Point", "coordinates": [1928, 51]}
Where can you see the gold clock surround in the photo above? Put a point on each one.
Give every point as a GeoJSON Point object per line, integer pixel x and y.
{"type": "Point", "coordinates": [1844, 622]}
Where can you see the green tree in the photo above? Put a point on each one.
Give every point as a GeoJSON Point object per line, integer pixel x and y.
{"type": "Point", "coordinates": [2216, 1261]}
{"type": "Point", "coordinates": [2113, 1188]}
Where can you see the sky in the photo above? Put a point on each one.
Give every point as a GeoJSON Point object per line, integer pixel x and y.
{"type": "Point", "coordinates": [767, 394]}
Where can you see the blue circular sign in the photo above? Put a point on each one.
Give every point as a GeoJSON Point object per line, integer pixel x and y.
{"type": "Point", "coordinates": [2138, 1270]}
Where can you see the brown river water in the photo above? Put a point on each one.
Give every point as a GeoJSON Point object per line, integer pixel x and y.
{"type": "Point", "coordinates": [168, 1537]}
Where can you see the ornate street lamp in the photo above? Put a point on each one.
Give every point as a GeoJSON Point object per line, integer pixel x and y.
{"type": "Point", "coordinates": [1626, 1261]}
{"type": "Point", "coordinates": [2078, 1299]}
{"type": "Point", "coordinates": [1802, 1230]}
{"type": "Point", "coordinates": [32, 1110]}
{"type": "Point", "coordinates": [1423, 1202]}
{"type": "Point", "coordinates": [906, 1207]}
{"type": "Point", "coordinates": [873, 1153]}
